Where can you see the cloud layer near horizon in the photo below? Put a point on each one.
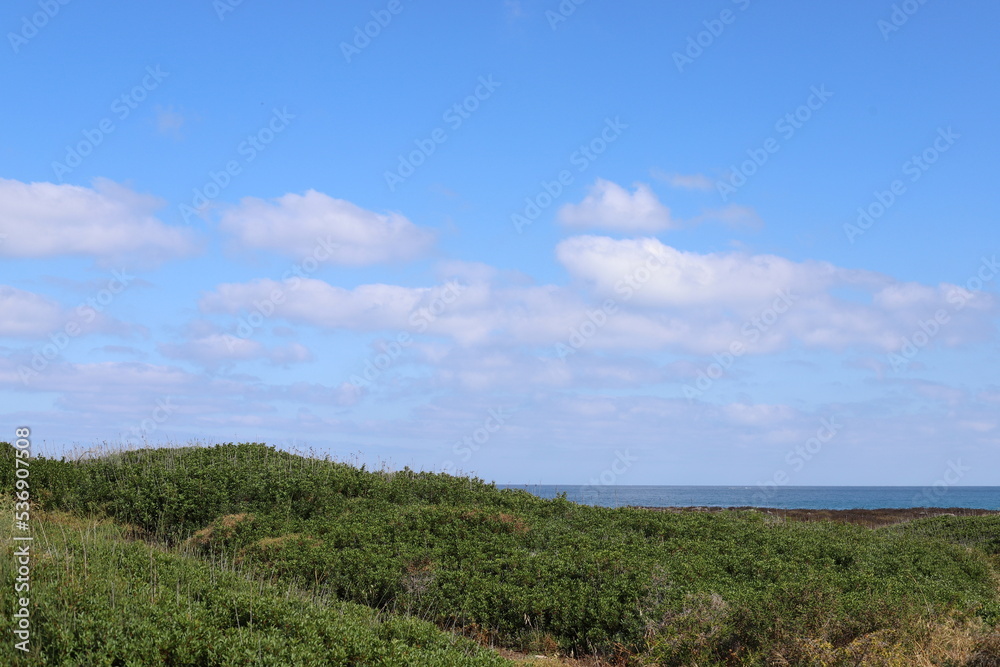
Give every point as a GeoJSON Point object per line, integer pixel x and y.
{"type": "Point", "coordinates": [663, 299]}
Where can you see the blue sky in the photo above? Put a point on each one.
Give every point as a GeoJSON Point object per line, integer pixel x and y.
{"type": "Point", "coordinates": [725, 243]}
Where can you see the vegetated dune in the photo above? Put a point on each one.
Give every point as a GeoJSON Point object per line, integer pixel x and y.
{"type": "Point", "coordinates": [397, 553]}
{"type": "Point", "coordinates": [101, 598]}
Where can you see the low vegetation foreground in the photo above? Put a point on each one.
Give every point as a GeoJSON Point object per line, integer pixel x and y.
{"type": "Point", "coordinates": [247, 555]}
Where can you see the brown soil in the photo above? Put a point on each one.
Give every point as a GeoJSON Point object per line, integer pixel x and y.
{"type": "Point", "coordinates": [872, 518]}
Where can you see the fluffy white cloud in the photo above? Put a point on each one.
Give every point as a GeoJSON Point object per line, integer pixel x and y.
{"type": "Point", "coordinates": [471, 314]}
{"type": "Point", "coordinates": [109, 222]}
{"type": "Point", "coordinates": [612, 207]}
{"type": "Point", "coordinates": [661, 299]}
{"type": "Point", "coordinates": [671, 277]}
{"type": "Point", "coordinates": [712, 300]}
{"type": "Point", "coordinates": [329, 229]}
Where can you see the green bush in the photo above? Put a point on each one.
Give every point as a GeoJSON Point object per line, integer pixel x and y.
{"type": "Point", "coordinates": [99, 599]}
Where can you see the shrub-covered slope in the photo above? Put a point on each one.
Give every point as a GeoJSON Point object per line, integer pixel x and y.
{"type": "Point", "coordinates": [98, 598]}
{"type": "Point", "coordinates": [505, 567]}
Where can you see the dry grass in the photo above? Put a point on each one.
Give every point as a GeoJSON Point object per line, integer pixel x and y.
{"type": "Point", "coordinates": [219, 529]}
{"type": "Point", "coordinates": [283, 540]}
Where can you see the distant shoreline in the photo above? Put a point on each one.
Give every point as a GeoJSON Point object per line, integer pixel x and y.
{"type": "Point", "coordinates": [870, 517]}
{"type": "Point", "coordinates": [840, 498]}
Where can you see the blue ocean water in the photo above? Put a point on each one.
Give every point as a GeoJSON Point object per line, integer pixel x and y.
{"type": "Point", "coordinates": [781, 497]}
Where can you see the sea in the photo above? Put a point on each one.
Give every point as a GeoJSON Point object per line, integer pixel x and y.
{"type": "Point", "coordinates": [780, 497]}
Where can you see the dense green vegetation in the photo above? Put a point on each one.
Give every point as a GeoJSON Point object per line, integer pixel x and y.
{"type": "Point", "coordinates": [101, 599]}
{"type": "Point", "coordinates": [363, 561]}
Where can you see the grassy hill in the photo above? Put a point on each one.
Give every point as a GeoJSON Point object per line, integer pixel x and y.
{"type": "Point", "coordinates": [246, 554]}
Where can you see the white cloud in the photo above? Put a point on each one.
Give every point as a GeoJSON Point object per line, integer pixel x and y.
{"type": "Point", "coordinates": [468, 313]}
{"type": "Point", "coordinates": [109, 222]}
{"type": "Point", "coordinates": [216, 349]}
{"type": "Point", "coordinates": [293, 353]}
{"type": "Point", "coordinates": [692, 279]}
{"type": "Point", "coordinates": [733, 216]}
{"type": "Point", "coordinates": [367, 307]}
{"type": "Point", "coordinates": [684, 181]}
{"type": "Point", "coordinates": [762, 415]}
{"type": "Point", "coordinates": [26, 314]}
{"type": "Point", "coordinates": [111, 381]}
{"type": "Point", "coordinates": [990, 395]}
{"type": "Point", "coordinates": [612, 207]}
{"type": "Point", "coordinates": [517, 370]}
{"type": "Point", "coordinates": [706, 300]}
{"type": "Point", "coordinates": [107, 395]}
{"type": "Point", "coordinates": [30, 315]}
{"type": "Point", "coordinates": [300, 225]}
{"type": "Point", "coordinates": [681, 301]}
{"type": "Point", "coordinates": [754, 438]}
